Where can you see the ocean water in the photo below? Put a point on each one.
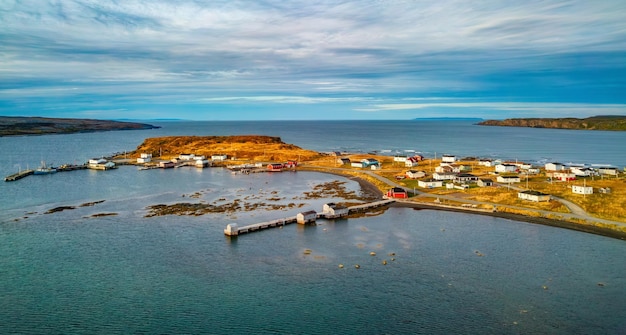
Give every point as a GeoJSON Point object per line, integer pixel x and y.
{"type": "Point", "coordinates": [76, 271]}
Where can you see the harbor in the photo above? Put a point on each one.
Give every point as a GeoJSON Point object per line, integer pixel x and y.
{"type": "Point", "coordinates": [330, 211]}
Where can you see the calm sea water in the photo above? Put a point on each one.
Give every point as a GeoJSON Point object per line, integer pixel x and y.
{"type": "Point", "coordinates": [76, 272]}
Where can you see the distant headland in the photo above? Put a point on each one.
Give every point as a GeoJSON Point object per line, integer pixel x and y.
{"type": "Point", "coordinates": [18, 125]}
{"type": "Point", "coordinates": [600, 122]}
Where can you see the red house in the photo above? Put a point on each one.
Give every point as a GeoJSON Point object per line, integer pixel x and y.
{"type": "Point", "coordinates": [398, 193]}
{"type": "Point", "coordinates": [275, 167]}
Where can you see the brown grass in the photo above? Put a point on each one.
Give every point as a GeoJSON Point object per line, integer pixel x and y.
{"type": "Point", "coordinates": [244, 147]}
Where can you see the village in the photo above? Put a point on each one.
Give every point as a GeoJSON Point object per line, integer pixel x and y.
{"type": "Point", "coordinates": [445, 181]}
{"type": "Point", "coordinates": [482, 184]}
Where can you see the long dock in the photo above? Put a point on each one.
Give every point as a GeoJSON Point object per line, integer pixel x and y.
{"type": "Point", "coordinates": [19, 175]}
{"type": "Point", "coordinates": [233, 229]}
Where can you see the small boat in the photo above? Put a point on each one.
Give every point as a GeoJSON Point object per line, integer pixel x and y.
{"type": "Point", "coordinates": [44, 169]}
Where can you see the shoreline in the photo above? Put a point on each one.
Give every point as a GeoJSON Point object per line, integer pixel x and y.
{"type": "Point", "coordinates": [370, 190]}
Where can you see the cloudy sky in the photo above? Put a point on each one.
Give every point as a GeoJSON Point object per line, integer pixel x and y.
{"type": "Point", "coordinates": [228, 60]}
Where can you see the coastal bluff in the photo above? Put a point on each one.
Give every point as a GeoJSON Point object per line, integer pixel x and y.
{"type": "Point", "coordinates": [602, 122]}
{"type": "Point", "coordinates": [19, 125]}
{"type": "Point", "coordinates": [250, 147]}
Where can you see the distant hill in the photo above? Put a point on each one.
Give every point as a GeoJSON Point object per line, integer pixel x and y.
{"type": "Point", "coordinates": [252, 147]}
{"type": "Point", "coordinates": [17, 125]}
{"type": "Point", "coordinates": [601, 122]}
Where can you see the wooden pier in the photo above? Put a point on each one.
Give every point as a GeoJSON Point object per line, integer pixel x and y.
{"type": "Point", "coordinates": [19, 175]}
{"type": "Point", "coordinates": [233, 229]}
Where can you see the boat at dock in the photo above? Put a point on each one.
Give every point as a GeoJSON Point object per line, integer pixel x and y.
{"type": "Point", "coordinates": [44, 169]}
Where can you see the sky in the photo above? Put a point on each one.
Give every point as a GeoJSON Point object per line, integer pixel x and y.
{"type": "Point", "coordinates": [312, 60]}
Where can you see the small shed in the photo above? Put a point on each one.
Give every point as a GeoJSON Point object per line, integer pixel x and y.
{"type": "Point", "coordinates": [533, 196]}
{"type": "Point", "coordinates": [343, 161]}
{"type": "Point", "coordinates": [357, 164]}
{"type": "Point", "coordinates": [333, 210]}
{"type": "Point", "coordinates": [306, 217]}
{"type": "Point", "coordinates": [219, 157]}
{"type": "Point", "coordinates": [444, 176]}
{"type": "Point", "coordinates": [231, 229]}
{"type": "Point", "coordinates": [508, 179]}
{"type": "Point", "coordinates": [506, 168]}
{"type": "Point", "coordinates": [582, 189]}
{"type": "Point", "coordinates": [166, 164]}
{"type": "Point", "coordinates": [202, 163]}
{"type": "Point", "coordinates": [484, 182]}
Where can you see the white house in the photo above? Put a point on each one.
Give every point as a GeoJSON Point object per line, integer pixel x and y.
{"type": "Point", "coordinates": [219, 157]}
{"type": "Point", "coordinates": [356, 164]}
{"type": "Point", "coordinates": [522, 165]}
{"type": "Point", "coordinates": [533, 171]}
{"type": "Point", "coordinates": [582, 189]}
{"type": "Point", "coordinates": [448, 158]}
{"type": "Point", "coordinates": [609, 171]}
{"type": "Point", "coordinates": [563, 176]}
{"type": "Point", "coordinates": [400, 159]}
{"type": "Point", "coordinates": [430, 183]}
{"type": "Point", "coordinates": [445, 167]}
{"type": "Point", "coordinates": [582, 171]}
{"type": "Point", "coordinates": [554, 167]}
{"type": "Point", "coordinates": [415, 174]}
{"type": "Point", "coordinates": [506, 168]}
{"type": "Point", "coordinates": [533, 196]}
{"type": "Point", "coordinates": [465, 178]}
{"type": "Point", "coordinates": [444, 176]}
{"type": "Point", "coordinates": [144, 158]}
{"type": "Point", "coordinates": [508, 179]}
{"type": "Point", "coordinates": [485, 162]}
{"type": "Point", "coordinates": [186, 157]}
{"type": "Point", "coordinates": [411, 161]}
{"type": "Point", "coordinates": [332, 210]}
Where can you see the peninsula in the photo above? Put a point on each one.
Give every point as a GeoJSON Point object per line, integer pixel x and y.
{"type": "Point", "coordinates": [17, 125]}
{"type": "Point", "coordinates": [600, 122]}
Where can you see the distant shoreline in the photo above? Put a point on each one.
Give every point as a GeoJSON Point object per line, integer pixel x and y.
{"type": "Point", "coordinates": [601, 122]}
{"type": "Point", "coordinates": [31, 126]}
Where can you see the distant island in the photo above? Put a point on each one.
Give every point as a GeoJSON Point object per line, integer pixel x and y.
{"type": "Point", "coordinates": [600, 122]}
{"type": "Point", "coordinates": [17, 125]}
